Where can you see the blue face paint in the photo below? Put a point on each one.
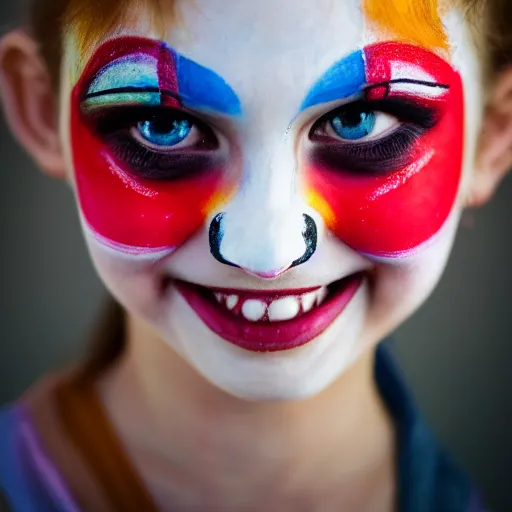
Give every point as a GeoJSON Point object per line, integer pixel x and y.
{"type": "Point", "coordinates": [342, 80]}
{"type": "Point", "coordinates": [202, 88]}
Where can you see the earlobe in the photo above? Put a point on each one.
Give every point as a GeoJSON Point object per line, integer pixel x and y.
{"type": "Point", "coordinates": [494, 158]}
{"type": "Point", "coordinates": [28, 101]}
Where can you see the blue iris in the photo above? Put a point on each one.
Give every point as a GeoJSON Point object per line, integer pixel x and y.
{"type": "Point", "coordinates": [354, 124]}
{"type": "Point", "coordinates": [165, 132]}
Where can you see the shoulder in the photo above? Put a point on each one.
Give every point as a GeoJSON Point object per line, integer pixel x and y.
{"type": "Point", "coordinates": [429, 479]}
{"type": "Point", "coordinates": [454, 489]}
{"type": "Point", "coordinates": [29, 479]}
{"type": "Point", "coordinates": [15, 484]}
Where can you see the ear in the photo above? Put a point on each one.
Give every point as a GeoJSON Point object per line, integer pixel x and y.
{"type": "Point", "coordinates": [494, 159]}
{"type": "Point", "coordinates": [29, 101]}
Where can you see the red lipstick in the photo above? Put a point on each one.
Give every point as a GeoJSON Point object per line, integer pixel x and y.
{"type": "Point", "coordinates": [264, 335]}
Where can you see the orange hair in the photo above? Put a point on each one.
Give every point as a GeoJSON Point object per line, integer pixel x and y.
{"type": "Point", "coordinates": [414, 21]}
{"type": "Point", "coordinates": [92, 19]}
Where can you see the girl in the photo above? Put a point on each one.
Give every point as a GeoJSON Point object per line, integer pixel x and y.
{"type": "Point", "coordinates": [268, 191]}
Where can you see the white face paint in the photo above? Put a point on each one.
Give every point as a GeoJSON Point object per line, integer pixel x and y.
{"type": "Point", "coordinates": [275, 255]}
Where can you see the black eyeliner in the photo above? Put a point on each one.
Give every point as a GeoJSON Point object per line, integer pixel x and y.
{"type": "Point", "coordinates": [132, 90]}
{"type": "Point", "coordinates": [404, 109]}
{"type": "Point", "coordinates": [411, 81]}
{"type": "Point", "coordinates": [107, 120]}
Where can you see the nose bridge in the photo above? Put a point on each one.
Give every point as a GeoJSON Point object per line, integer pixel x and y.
{"type": "Point", "coordinates": [269, 174]}
{"type": "Point", "coordinates": [264, 229]}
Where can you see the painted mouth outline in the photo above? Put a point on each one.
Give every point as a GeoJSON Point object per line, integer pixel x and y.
{"type": "Point", "coordinates": [265, 336]}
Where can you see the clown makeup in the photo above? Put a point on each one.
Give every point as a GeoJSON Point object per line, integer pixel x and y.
{"type": "Point", "coordinates": [273, 205]}
{"type": "Point", "coordinates": [387, 163]}
{"type": "Point", "coordinates": [147, 171]}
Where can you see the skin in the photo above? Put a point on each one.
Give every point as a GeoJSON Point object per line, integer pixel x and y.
{"type": "Point", "coordinates": [259, 407]}
{"type": "Point", "coordinates": [265, 164]}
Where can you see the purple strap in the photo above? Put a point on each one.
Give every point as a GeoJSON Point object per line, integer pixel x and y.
{"type": "Point", "coordinates": [47, 472]}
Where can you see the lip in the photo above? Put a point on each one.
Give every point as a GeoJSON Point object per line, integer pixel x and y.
{"type": "Point", "coordinates": [269, 336]}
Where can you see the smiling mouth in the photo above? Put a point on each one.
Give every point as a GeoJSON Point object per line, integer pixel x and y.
{"type": "Point", "coordinates": [270, 321]}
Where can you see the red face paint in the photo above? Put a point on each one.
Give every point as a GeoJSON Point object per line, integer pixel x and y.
{"type": "Point", "coordinates": [133, 197]}
{"type": "Point", "coordinates": [388, 196]}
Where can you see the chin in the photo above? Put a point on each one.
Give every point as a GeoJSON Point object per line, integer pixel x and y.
{"type": "Point", "coordinates": [278, 374]}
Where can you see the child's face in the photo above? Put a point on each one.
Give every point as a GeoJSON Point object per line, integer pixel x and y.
{"type": "Point", "coordinates": [273, 188]}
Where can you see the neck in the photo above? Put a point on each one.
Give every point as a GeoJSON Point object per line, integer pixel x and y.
{"type": "Point", "coordinates": [183, 433]}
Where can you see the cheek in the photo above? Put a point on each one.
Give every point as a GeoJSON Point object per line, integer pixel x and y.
{"type": "Point", "coordinates": [393, 214]}
{"type": "Point", "coordinates": [137, 215]}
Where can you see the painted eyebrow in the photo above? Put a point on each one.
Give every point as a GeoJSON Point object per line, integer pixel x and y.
{"type": "Point", "coordinates": [342, 80]}
{"type": "Point", "coordinates": [347, 77]}
{"type": "Point", "coordinates": [175, 77]}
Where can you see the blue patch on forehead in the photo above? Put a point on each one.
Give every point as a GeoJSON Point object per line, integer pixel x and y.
{"type": "Point", "coordinates": [342, 80]}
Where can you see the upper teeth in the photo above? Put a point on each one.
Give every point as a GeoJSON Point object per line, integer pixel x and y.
{"type": "Point", "coordinates": [232, 301]}
{"type": "Point", "coordinates": [283, 309]}
{"type": "Point", "coordinates": [278, 309]}
{"type": "Point", "coordinates": [254, 310]}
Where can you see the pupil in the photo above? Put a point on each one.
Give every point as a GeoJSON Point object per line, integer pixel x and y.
{"type": "Point", "coordinates": [351, 119]}
{"type": "Point", "coordinates": [163, 126]}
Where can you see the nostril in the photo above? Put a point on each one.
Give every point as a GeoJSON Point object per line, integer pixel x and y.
{"type": "Point", "coordinates": [310, 234]}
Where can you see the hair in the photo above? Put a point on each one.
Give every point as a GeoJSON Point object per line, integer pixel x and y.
{"type": "Point", "coordinates": [416, 21]}
{"type": "Point", "coordinates": [412, 20]}
{"type": "Point", "coordinates": [90, 20]}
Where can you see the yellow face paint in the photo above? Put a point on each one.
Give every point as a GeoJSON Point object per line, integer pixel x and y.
{"type": "Point", "coordinates": [318, 203]}
{"type": "Point", "coordinates": [413, 21]}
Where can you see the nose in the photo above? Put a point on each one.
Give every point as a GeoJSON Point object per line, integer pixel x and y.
{"type": "Point", "coordinates": [263, 246]}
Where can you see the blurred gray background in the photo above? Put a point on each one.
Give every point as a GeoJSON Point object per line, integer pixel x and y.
{"type": "Point", "coordinates": [456, 351]}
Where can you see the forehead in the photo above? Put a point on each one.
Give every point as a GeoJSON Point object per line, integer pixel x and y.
{"type": "Point", "coordinates": [413, 21]}
{"type": "Point", "coordinates": [262, 49]}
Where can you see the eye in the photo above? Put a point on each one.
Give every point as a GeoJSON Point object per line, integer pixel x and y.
{"type": "Point", "coordinates": [371, 137]}
{"type": "Point", "coordinates": [157, 143]}
{"type": "Point", "coordinates": [166, 132]}
{"type": "Point", "coordinates": [356, 123]}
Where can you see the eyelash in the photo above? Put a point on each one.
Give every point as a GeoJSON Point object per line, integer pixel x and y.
{"type": "Point", "coordinates": [114, 126]}
{"type": "Point", "coordinates": [377, 156]}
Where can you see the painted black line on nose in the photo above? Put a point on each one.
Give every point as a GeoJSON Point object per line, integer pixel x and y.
{"type": "Point", "coordinates": [216, 234]}
{"type": "Point", "coordinates": [310, 235]}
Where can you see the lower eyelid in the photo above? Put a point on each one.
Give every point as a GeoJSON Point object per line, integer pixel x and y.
{"type": "Point", "coordinates": [145, 163]}
{"type": "Point", "coordinates": [374, 157]}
